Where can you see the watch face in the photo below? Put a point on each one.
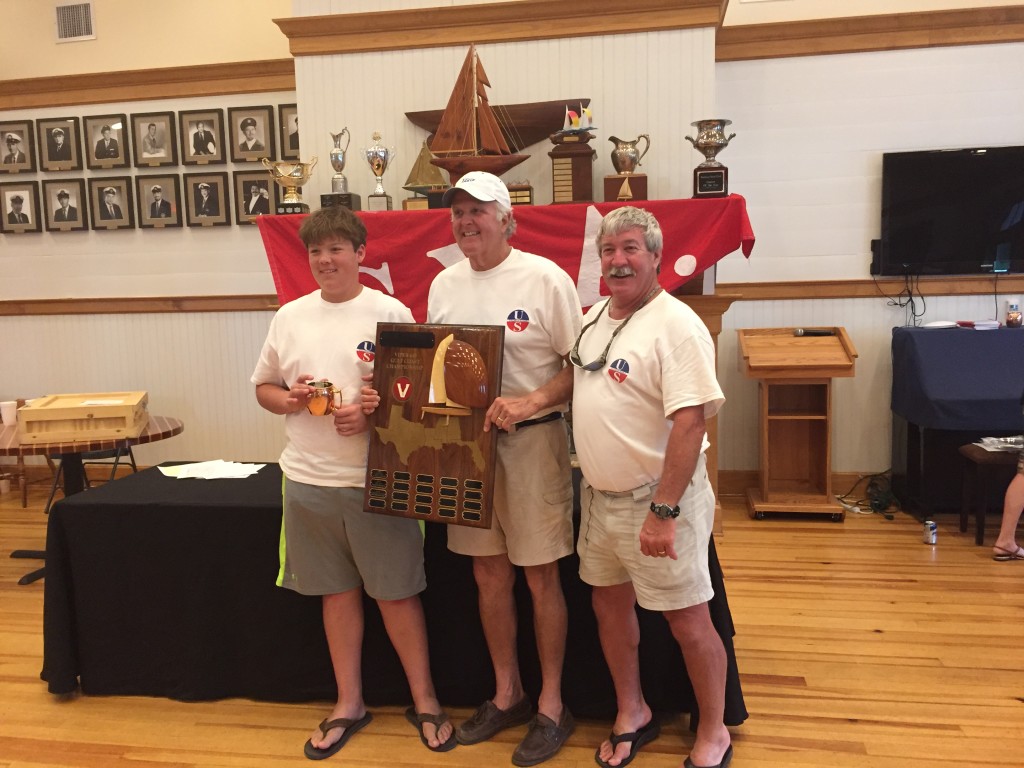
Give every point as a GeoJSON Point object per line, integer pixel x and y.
{"type": "Point", "coordinates": [664, 511]}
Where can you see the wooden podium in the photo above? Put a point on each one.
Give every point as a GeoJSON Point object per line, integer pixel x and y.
{"type": "Point", "coordinates": [794, 376]}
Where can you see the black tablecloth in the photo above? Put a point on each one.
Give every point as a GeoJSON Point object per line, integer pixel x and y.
{"type": "Point", "coordinates": [958, 378]}
{"type": "Point", "coordinates": [165, 587]}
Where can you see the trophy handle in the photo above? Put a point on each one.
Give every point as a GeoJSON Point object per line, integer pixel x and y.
{"type": "Point", "coordinates": [346, 132]}
{"type": "Point", "coordinates": [731, 137]}
{"type": "Point", "coordinates": [268, 165]}
{"type": "Point", "coordinates": [647, 146]}
{"type": "Point", "coordinates": [690, 139]}
{"type": "Point", "coordinates": [312, 163]}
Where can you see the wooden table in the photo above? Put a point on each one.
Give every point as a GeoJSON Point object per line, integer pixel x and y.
{"type": "Point", "coordinates": [70, 452]}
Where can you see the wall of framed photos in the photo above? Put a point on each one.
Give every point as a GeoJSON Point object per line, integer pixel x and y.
{"type": "Point", "coordinates": [80, 186]}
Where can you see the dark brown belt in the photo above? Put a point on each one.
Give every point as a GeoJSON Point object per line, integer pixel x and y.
{"type": "Point", "coordinates": [553, 416]}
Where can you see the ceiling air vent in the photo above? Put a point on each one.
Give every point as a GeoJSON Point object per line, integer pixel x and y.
{"type": "Point", "coordinates": [74, 22]}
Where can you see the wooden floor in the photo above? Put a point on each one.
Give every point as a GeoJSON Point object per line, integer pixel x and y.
{"type": "Point", "coordinates": [857, 644]}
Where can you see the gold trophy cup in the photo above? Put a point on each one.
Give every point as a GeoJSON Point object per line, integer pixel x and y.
{"type": "Point", "coordinates": [291, 176]}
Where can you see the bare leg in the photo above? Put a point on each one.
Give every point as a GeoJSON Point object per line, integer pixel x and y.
{"type": "Point", "coordinates": [495, 577]}
{"type": "Point", "coordinates": [705, 660]}
{"type": "Point", "coordinates": [620, 640]}
{"type": "Point", "coordinates": [1013, 504]}
{"type": "Point", "coordinates": [404, 622]}
{"type": "Point", "coordinates": [550, 624]}
{"type": "Point", "coordinates": [343, 625]}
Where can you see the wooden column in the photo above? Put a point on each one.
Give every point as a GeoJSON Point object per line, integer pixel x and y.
{"type": "Point", "coordinates": [710, 310]}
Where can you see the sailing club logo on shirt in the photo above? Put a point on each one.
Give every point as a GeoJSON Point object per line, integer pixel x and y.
{"type": "Point", "coordinates": [619, 370]}
{"type": "Point", "coordinates": [517, 320]}
{"type": "Point", "coordinates": [366, 351]}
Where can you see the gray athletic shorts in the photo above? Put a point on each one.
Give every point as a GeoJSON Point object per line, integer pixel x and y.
{"type": "Point", "coordinates": [532, 520]}
{"type": "Point", "coordinates": [330, 545]}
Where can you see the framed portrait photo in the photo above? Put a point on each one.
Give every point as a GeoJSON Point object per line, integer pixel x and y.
{"type": "Point", "coordinates": [111, 202]}
{"type": "Point", "coordinates": [288, 123]}
{"type": "Point", "coordinates": [159, 199]}
{"type": "Point", "coordinates": [106, 142]}
{"type": "Point", "coordinates": [207, 199]}
{"type": "Point", "coordinates": [66, 204]}
{"type": "Point", "coordinates": [18, 147]}
{"type": "Point", "coordinates": [202, 136]}
{"type": "Point", "coordinates": [60, 144]}
{"type": "Point", "coordinates": [20, 202]}
{"type": "Point", "coordinates": [154, 139]}
{"type": "Point", "coordinates": [251, 131]}
{"type": "Point", "coordinates": [255, 195]}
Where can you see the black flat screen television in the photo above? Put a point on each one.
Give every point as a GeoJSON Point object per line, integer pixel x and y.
{"type": "Point", "coordinates": [952, 212]}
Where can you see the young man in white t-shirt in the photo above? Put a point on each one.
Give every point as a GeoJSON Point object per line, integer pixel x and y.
{"type": "Point", "coordinates": [331, 546]}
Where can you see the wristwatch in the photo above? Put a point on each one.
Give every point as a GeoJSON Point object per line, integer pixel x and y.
{"type": "Point", "coordinates": [664, 511]}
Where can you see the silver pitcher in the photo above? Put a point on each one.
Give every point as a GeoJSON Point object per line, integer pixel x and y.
{"type": "Point", "coordinates": [339, 183]}
{"type": "Point", "coordinates": [626, 157]}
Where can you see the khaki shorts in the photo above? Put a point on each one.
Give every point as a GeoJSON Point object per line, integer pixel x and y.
{"type": "Point", "coordinates": [532, 520]}
{"type": "Point", "coordinates": [331, 545]}
{"type": "Point", "coordinates": [609, 545]}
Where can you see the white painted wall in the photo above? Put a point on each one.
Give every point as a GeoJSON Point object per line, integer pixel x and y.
{"type": "Point", "coordinates": [138, 35]}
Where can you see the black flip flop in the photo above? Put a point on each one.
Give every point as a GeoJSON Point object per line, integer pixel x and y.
{"type": "Point", "coordinates": [639, 737]}
{"type": "Point", "coordinates": [350, 726]}
{"type": "Point", "coordinates": [419, 718]}
{"type": "Point", "coordinates": [726, 759]}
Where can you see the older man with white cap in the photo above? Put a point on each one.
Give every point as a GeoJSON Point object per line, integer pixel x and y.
{"type": "Point", "coordinates": [537, 303]}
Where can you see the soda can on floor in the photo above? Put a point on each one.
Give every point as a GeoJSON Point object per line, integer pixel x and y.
{"type": "Point", "coordinates": [931, 532]}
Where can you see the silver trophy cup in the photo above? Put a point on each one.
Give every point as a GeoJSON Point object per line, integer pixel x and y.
{"type": "Point", "coordinates": [379, 158]}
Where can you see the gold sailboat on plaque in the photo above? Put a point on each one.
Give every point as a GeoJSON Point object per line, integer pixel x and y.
{"type": "Point", "coordinates": [469, 137]}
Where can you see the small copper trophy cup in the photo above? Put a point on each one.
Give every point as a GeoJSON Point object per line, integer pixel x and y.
{"type": "Point", "coordinates": [326, 398]}
{"type": "Point", "coordinates": [379, 157]}
{"type": "Point", "coordinates": [291, 176]}
{"type": "Point", "coordinates": [711, 178]}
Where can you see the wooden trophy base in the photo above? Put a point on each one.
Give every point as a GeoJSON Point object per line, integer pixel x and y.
{"type": "Point", "coordinates": [623, 187]}
{"type": "Point", "coordinates": [415, 204]}
{"type": "Point", "coordinates": [378, 203]}
{"type": "Point", "coordinates": [344, 199]}
{"type": "Point", "coordinates": [572, 172]}
{"type": "Point", "coordinates": [711, 182]}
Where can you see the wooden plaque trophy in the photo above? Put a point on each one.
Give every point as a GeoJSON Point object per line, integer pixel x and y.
{"type": "Point", "coordinates": [429, 457]}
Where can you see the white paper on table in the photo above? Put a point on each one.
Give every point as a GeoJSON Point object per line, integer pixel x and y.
{"type": "Point", "coordinates": [1015, 443]}
{"type": "Point", "coordinates": [218, 469]}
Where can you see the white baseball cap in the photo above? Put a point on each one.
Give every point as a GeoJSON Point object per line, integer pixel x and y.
{"type": "Point", "coordinates": [483, 186]}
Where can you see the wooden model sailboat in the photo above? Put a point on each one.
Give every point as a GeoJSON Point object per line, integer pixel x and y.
{"type": "Point", "coordinates": [425, 176]}
{"type": "Point", "coordinates": [469, 137]}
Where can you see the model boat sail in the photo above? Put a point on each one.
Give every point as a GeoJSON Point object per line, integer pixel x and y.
{"type": "Point", "coordinates": [458, 379]}
{"type": "Point", "coordinates": [469, 137]}
{"type": "Point", "coordinates": [425, 176]}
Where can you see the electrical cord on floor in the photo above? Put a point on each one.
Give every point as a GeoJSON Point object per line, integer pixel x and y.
{"type": "Point", "coordinates": [878, 500]}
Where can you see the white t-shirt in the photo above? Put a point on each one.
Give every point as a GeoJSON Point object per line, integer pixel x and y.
{"type": "Point", "coordinates": [532, 297]}
{"type": "Point", "coordinates": [327, 341]}
{"type": "Point", "coordinates": [662, 361]}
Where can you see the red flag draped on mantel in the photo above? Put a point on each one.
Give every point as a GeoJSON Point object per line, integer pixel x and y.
{"type": "Point", "coordinates": [406, 249]}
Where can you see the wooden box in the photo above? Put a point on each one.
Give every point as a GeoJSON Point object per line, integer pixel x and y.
{"type": "Point", "coordinates": [83, 416]}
